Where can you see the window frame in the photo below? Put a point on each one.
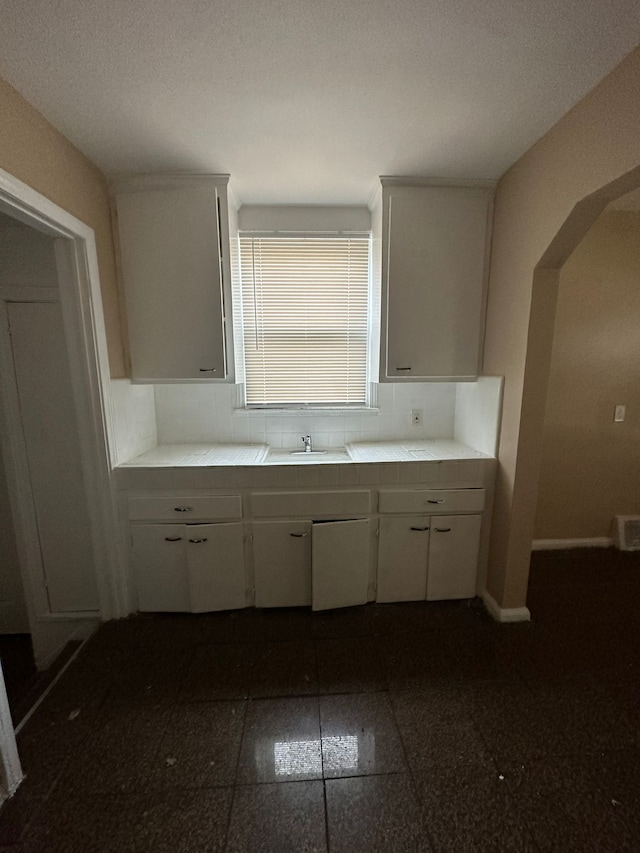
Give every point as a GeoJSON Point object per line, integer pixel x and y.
{"type": "Point", "coordinates": [369, 402]}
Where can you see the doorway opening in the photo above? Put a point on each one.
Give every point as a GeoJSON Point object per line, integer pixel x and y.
{"type": "Point", "coordinates": [60, 565]}
{"type": "Point", "coordinates": [44, 430]}
{"type": "Point", "coordinates": [590, 459]}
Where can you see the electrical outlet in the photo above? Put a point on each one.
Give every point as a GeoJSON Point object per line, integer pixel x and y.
{"type": "Point", "coordinates": [416, 417]}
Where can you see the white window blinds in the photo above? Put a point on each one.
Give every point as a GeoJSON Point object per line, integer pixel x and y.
{"type": "Point", "coordinates": [305, 312]}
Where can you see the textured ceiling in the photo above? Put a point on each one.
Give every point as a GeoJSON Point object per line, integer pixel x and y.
{"type": "Point", "coordinates": [308, 102]}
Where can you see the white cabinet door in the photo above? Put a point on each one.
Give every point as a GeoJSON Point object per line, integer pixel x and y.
{"type": "Point", "coordinates": [453, 556]}
{"type": "Point", "coordinates": [159, 562]}
{"type": "Point", "coordinates": [434, 249]}
{"type": "Point", "coordinates": [282, 563]}
{"type": "Point", "coordinates": [170, 244]}
{"type": "Point", "coordinates": [340, 563]}
{"type": "Point", "coordinates": [215, 566]}
{"type": "Point", "coordinates": [403, 551]}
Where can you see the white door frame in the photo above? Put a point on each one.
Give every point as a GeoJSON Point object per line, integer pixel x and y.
{"type": "Point", "coordinates": [81, 301]}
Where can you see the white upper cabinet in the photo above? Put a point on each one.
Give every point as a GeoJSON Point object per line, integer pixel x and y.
{"type": "Point", "coordinates": [434, 267]}
{"type": "Point", "coordinates": [174, 249]}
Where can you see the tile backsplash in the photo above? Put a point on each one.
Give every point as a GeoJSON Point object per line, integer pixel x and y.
{"type": "Point", "coordinates": [133, 418]}
{"type": "Point", "coordinates": [202, 413]}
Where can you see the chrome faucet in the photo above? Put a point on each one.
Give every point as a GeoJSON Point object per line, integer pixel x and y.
{"type": "Point", "coordinates": [307, 443]}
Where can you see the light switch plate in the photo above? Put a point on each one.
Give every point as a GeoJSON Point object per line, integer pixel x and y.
{"type": "Point", "coordinates": [619, 413]}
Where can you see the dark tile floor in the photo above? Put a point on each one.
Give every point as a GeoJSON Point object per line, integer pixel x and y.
{"type": "Point", "coordinates": [417, 727]}
{"type": "Point", "coordinates": [24, 683]}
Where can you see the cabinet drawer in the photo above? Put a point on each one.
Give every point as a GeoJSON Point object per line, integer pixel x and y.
{"type": "Point", "coordinates": [185, 509]}
{"type": "Point", "coordinates": [431, 501]}
{"type": "Point", "coordinates": [310, 504]}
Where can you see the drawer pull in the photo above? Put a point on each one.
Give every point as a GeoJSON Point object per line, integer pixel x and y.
{"type": "Point", "coordinates": [173, 538]}
{"type": "Point", "coordinates": [183, 508]}
{"type": "Point", "coordinates": [403, 368]}
{"type": "Point", "coordinates": [419, 528]}
{"type": "Point", "coordinates": [299, 535]}
{"type": "Point", "coordinates": [443, 529]}
{"type": "Point", "coordinates": [197, 541]}
{"type": "Point", "coordinates": [208, 370]}
{"type": "Point", "coordinates": [436, 502]}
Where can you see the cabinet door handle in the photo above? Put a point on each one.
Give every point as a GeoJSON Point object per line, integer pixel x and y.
{"type": "Point", "coordinates": [183, 508]}
{"type": "Point", "coordinates": [197, 541]}
{"type": "Point", "coordinates": [403, 368]}
{"type": "Point", "coordinates": [419, 528]}
{"type": "Point", "coordinates": [435, 502]}
{"type": "Point", "coordinates": [443, 529]}
{"type": "Point", "coordinates": [173, 538]}
{"type": "Point", "coordinates": [208, 370]}
{"type": "Point", "coordinates": [298, 535]}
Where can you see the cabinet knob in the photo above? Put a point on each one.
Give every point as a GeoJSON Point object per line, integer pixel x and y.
{"type": "Point", "coordinates": [436, 502]}
{"type": "Point", "coordinates": [443, 529]}
{"type": "Point", "coordinates": [299, 535]}
{"type": "Point", "coordinates": [208, 370]}
{"type": "Point", "coordinates": [173, 538]}
{"type": "Point", "coordinates": [183, 508]}
{"type": "Point", "coordinates": [419, 528]}
{"type": "Point", "coordinates": [197, 541]}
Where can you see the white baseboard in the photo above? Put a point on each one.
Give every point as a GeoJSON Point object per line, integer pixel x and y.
{"type": "Point", "coordinates": [505, 614]}
{"type": "Point", "coordinates": [563, 544]}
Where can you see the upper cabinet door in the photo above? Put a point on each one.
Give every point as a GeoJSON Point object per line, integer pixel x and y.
{"type": "Point", "coordinates": [174, 253]}
{"type": "Point", "coordinates": [435, 245]}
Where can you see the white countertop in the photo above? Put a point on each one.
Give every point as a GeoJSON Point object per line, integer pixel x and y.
{"type": "Point", "coordinates": [405, 450]}
{"type": "Point", "coordinates": [220, 455]}
{"type": "Point", "coordinates": [199, 456]}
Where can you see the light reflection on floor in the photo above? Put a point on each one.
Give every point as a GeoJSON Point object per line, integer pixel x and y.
{"type": "Point", "coordinates": [304, 757]}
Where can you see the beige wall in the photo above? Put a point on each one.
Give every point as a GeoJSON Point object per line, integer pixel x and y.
{"type": "Point", "coordinates": [537, 224]}
{"type": "Point", "coordinates": [591, 465]}
{"type": "Point", "coordinates": [37, 154]}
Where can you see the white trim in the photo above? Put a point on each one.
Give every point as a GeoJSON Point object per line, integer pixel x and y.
{"type": "Point", "coordinates": [10, 769]}
{"type": "Point", "coordinates": [559, 544]}
{"type": "Point", "coordinates": [81, 299]}
{"type": "Point", "coordinates": [505, 614]}
{"type": "Point", "coordinates": [72, 616]}
{"type": "Point", "coordinates": [465, 183]}
{"type": "Point", "coordinates": [143, 183]}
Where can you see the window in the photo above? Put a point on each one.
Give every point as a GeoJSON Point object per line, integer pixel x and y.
{"type": "Point", "coordinates": [305, 304]}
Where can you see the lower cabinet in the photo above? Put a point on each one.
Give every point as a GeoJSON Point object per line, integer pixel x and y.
{"type": "Point", "coordinates": [324, 564]}
{"type": "Point", "coordinates": [427, 547]}
{"type": "Point", "coordinates": [282, 563]}
{"type": "Point", "coordinates": [452, 568]}
{"type": "Point", "coordinates": [190, 568]}
{"type": "Point", "coordinates": [432, 557]}
{"type": "Point", "coordinates": [403, 553]}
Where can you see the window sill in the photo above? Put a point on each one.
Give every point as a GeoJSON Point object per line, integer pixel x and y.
{"type": "Point", "coordinates": [335, 412]}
